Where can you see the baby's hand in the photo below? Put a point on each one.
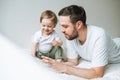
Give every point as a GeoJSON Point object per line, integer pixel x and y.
{"type": "Point", "coordinates": [55, 43]}
{"type": "Point", "coordinates": [59, 60]}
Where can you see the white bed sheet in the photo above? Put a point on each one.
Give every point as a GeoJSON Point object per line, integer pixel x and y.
{"type": "Point", "coordinates": [17, 64]}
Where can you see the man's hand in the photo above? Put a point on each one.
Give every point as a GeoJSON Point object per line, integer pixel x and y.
{"type": "Point", "coordinates": [72, 70]}
{"type": "Point", "coordinates": [59, 66]}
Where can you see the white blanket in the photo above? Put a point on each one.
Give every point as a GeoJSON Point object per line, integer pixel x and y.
{"type": "Point", "coordinates": [17, 64]}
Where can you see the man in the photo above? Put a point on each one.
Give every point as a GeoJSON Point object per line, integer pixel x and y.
{"type": "Point", "coordinates": [87, 41]}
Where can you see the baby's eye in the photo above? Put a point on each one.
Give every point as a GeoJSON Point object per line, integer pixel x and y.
{"type": "Point", "coordinates": [48, 26]}
{"type": "Point", "coordinates": [43, 25]}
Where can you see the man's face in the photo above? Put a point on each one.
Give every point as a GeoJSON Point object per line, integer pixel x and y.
{"type": "Point", "coordinates": [68, 28]}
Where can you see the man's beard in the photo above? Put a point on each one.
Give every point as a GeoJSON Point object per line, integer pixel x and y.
{"type": "Point", "coordinates": [74, 35]}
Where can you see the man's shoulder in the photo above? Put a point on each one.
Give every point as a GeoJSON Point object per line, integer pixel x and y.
{"type": "Point", "coordinates": [96, 29]}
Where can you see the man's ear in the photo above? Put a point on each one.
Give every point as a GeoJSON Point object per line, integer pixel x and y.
{"type": "Point", "coordinates": [79, 24]}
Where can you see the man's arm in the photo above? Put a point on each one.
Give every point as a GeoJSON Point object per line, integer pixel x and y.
{"type": "Point", "coordinates": [85, 73]}
{"type": "Point", "coordinates": [72, 62]}
{"type": "Point", "coordinates": [72, 70]}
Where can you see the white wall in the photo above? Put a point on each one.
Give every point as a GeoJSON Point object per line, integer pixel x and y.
{"type": "Point", "coordinates": [19, 19]}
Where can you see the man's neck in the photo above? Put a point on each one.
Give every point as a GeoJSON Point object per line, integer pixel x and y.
{"type": "Point", "coordinates": [82, 35]}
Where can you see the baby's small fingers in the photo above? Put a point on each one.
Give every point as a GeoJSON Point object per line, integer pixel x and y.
{"type": "Point", "coordinates": [47, 60]}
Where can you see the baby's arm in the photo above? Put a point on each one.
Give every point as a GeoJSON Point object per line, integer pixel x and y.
{"type": "Point", "coordinates": [57, 43]}
{"type": "Point", "coordinates": [34, 48]}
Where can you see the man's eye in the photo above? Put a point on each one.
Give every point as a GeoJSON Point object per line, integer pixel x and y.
{"type": "Point", "coordinates": [65, 26]}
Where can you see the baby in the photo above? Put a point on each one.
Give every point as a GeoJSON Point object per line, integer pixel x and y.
{"type": "Point", "coordinates": [46, 42]}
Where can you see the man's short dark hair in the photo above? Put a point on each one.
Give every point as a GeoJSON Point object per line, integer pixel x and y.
{"type": "Point", "coordinates": [75, 12]}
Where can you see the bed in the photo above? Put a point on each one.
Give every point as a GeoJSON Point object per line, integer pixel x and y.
{"type": "Point", "coordinates": [18, 64]}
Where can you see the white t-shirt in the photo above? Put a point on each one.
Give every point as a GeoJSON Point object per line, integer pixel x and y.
{"type": "Point", "coordinates": [44, 42]}
{"type": "Point", "coordinates": [99, 48]}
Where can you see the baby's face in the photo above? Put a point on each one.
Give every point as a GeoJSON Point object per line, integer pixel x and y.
{"type": "Point", "coordinates": [47, 26]}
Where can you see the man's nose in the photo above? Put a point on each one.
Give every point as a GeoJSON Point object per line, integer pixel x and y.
{"type": "Point", "coordinates": [62, 30]}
